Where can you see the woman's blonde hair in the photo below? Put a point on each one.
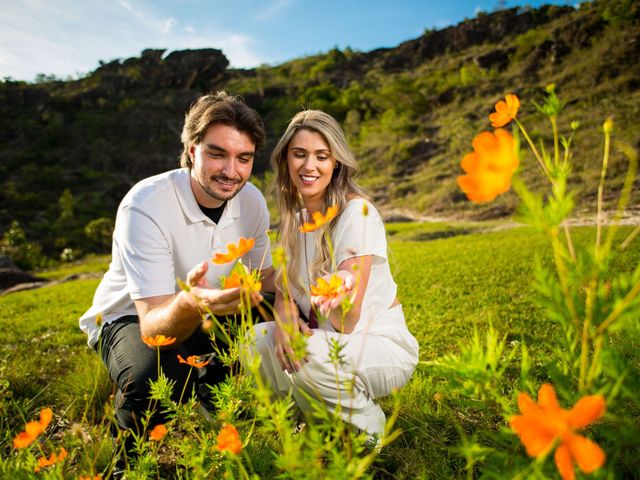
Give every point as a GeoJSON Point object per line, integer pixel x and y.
{"type": "Point", "coordinates": [341, 188]}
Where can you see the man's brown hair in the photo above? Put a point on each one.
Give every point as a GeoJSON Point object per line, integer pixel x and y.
{"type": "Point", "coordinates": [220, 108]}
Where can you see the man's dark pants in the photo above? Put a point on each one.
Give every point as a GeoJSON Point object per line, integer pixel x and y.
{"type": "Point", "coordinates": [132, 365]}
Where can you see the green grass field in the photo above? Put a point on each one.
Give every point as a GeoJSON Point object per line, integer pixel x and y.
{"type": "Point", "coordinates": [452, 279]}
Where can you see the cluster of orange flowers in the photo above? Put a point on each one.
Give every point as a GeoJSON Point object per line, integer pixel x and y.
{"type": "Point", "coordinates": [52, 460]}
{"type": "Point", "coordinates": [319, 220]}
{"type": "Point", "coordinates": [494, 159]}
{"type": "Point", "coordinates": [330, 289]}
{"type": "Point", "coordinates": [545, 424]}
{"type": "Point", "coordinates": [33, 430]}
{"type": "Point", "coordinates": [234, 251]}
{"type": "Point", "coordinates": [229, 440]}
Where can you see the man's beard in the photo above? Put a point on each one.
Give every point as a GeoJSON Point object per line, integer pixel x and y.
{"type": "Point", "coordinates": [222, 197]}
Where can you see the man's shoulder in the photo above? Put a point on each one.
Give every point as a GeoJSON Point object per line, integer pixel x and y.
{"type": "Point", "coordinates": [150, 188]}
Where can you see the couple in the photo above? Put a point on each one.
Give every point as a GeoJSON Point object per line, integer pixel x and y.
{"type": "Point", "coordinates": [169, 226]}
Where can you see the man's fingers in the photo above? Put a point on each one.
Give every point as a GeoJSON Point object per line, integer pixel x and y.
{"type": "Point", "coordinates": [197, 273]}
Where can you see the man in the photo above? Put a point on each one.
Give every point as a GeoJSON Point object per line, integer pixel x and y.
{"type": "Point", "coordinates": [167, 227]}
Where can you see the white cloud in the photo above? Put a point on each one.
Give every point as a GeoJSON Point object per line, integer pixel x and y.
{"type": "Point", "coordinates": [67, 37]}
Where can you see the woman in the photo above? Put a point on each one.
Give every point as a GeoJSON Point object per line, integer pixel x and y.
{"type": "Point", "coordinates": [315, 171]}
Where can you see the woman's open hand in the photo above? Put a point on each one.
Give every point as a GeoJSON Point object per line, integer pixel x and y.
{"type": "Point", "coordinates": [332, 289]}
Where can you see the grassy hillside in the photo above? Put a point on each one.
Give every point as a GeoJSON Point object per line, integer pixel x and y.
{"type": "Point", "coordinates": [69, 150]}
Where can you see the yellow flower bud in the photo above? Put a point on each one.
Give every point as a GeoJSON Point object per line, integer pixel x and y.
{"type": "Point", "coordinates": [607, 126]}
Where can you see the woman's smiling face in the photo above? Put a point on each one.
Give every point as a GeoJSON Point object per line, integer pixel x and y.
{"type": "Point", "coordinates": [311, 165]}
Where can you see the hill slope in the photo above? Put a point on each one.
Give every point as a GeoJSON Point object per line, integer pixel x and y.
{"type": "Point", "coordinates": [69, 150]}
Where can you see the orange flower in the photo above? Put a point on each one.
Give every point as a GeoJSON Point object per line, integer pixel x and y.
{"type": "Point", "coordinates": [33, 429]}
{"type": "Point", "coordinates": [330, 289]}
{"type": "Point", "coordinates": [229, 440]}
{"type": "Point", "coordinates": [158, 341]}
{"type": "Point", "coordinates": [544, 423]}
{"type": "Point", "coordinates": [506, 110]}
{"type": "Point", "coordinates": [247, 281]}
{"type": "Point", "coordinates": [158, 431]}
{"type": "Point", "coordinates": [489, 167]}
{"type": "Point", "coordinates": [193, 360]}
{"type": "Point", "coordinates": [89, 477]}
{"type": "Point", "coordinates": [319, 220]}
{"type": "Point", "coordinates": [232, 281]}
{"type": "Point", "coordinates": [53, 459]}
{"type": "Point", "coordinates": [234, 251]}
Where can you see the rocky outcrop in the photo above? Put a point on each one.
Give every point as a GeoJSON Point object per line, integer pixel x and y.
{"type": "Point", "coordinates": [183, 69]}
{"type": "Point", "coordinates": [14, 276]}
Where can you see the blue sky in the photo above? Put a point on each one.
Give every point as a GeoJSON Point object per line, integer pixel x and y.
{"type": "Point", "coordinates": [69, 37]}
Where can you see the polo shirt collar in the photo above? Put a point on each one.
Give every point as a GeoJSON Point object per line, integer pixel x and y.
{"type": "Point", "coordinates": [190, 205]}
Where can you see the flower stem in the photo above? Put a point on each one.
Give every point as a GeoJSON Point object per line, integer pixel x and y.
{"type": "Point", "coordinates": [556, 145]}
{"type": "Point", "coordinates": [595, 360]}
{"type": "Point", "coordinates": [630, 238]}
{"type": "Point", "coordinates": [619, 308]}
{"type": "Point", "coordinates": [584, 350]}
{"type": "Point", "coordinates": [185, 385]}
{"type": "Point", "coordinates": [534, 149]}
{"type": "Point", "coordinates": [603, 172]}
{"type": "Point", "coordinates": [562, 276]}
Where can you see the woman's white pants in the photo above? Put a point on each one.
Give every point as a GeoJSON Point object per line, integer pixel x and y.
{"type": "Point", "coordinates": [375, 361]}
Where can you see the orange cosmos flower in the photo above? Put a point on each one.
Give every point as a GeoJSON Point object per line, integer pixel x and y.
{"type": "Point", "coordinates": [544, 423]}
{"type": "Point", "coordinates": [193, 360]}
{"type": "Point", "coordinates": [330, 289]}
{"type": "Point", "coordinates": [234, 251]}
{"type": "Point", "coordinates": [232, 281]}
{"type": "Point", "coordinates": [158, 432]}
{"type": "Point", "coordinates": [89, 477]}
{"type": "Point", "coordinates": [319, 220]}
{"type": "Point", "coordinates": [53, 459]}
{"type": "Point", "coordinates": [248, 281]}
{"type": "Point", "coordinates": [506, 110]}
{"type": "Point", "coordinates": [33, 429]}
{"type": "Point", "coordinates": [158, 341]}
{"type": "Point", "coordinates": [489, 167]}
{"type": "Point", "coordinates": [229, 440]}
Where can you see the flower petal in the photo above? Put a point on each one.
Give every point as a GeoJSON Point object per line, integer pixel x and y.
{"type": "Point", "coordinates": [564, 462]}
{"type": "Point", "coordinates": [536, 440]}
{"type": "Point", "coordinates": [471, 162]}
{"type": "Point", "coordinates": [513, 104]}
{"type": "Point", "coordinates": [484, 185]}
{"type": "Point", "coordinates": [526, 404]}
{"type": "Point", "coordinates": [46, 414]}
{"type": "Point", "coordinates": [547, 397]}
{"type": "Point", "coordinates": [587, 410]}
{"type": "Point", "coordinates": [589, 456]}
{"type": "Point", "coordinates": [485, 142]}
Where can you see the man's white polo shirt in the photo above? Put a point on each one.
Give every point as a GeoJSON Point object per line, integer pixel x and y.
{"type": "Point", "coordinates": [161, 234]}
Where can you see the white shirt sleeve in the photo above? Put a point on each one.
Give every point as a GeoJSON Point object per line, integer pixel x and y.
{"type": "Point", "coordinates": [145, 254]}
{"type": "Point", "coordinates": [357, 234]}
